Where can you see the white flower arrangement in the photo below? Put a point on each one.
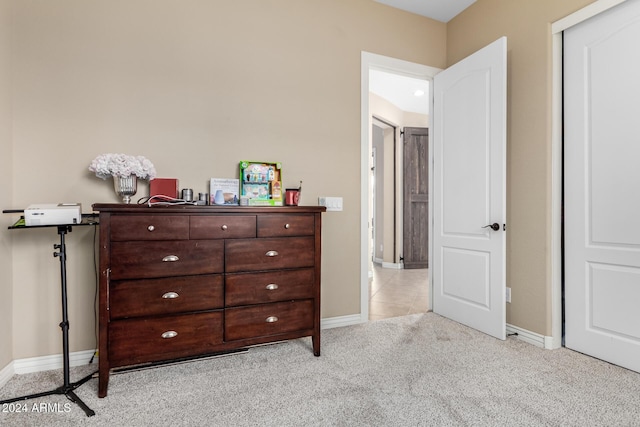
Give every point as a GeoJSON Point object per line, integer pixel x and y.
{"type": "Point", "coordinates": [122, 165]}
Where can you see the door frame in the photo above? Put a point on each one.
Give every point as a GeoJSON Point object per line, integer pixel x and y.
{"type": "Point", "coordinates": [391, 129]}
{"type": "Point", "coordinates": [556, 249]}
{"type": "Point", "coordinates": [368, 62]}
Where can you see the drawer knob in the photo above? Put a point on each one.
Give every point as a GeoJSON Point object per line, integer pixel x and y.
{"type": "Point", "coordinates": [170, 295]}
{"type": "Point", "coordinates": [272, 287]}
{"type": "Point", "coordinates": [272, 253]}
{"type": "Point", "coordinates": [169, 334]}
{"type": "Point", "coordinates": [151, 228]}
{"type": "Point", "coordinates": [271, 319]}
{"type": "Point", "coordinates": [170, 258]}
{"type": "Point", "coordinates": [287, 226]}
{"type": "Point", "coordinates": [224, 227]}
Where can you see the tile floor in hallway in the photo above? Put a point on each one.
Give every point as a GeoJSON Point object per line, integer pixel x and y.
{"type": "Point", "coordinates": [395, 292]}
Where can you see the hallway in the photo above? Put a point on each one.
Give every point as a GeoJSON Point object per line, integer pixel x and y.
{"type": "Point", "coordinates": [394, 292]}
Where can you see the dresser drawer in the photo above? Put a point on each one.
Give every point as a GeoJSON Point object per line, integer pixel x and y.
{"type": "Point", "coordinates": [133, 341]}
{"type": "Point", "coordinates": [149, 227]}
{"type": "Point", "coordinates": [141, 260]}
{"type": "Point", "coordinates": [286, 225]}
{"type": "Point", "coordinates": [267, 319]}
{"type": "Point", "coordinates": [269, 254]}
{"type": "Point", "coordinates": [222, 227]}
{"type": "Point", "coordinates": [257, 288]}
{"type": "Point", "coordinates": [148, 297]}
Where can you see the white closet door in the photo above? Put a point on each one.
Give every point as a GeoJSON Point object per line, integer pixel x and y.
{"type": "Point", "coordinates": [602, 186]}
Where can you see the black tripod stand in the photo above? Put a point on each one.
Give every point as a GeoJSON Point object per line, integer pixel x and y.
{"type": "Point", "coordinates": [68, 387]}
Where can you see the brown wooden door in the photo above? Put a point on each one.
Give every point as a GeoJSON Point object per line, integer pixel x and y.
{"type": "Point", "coordinates": [416, 197]}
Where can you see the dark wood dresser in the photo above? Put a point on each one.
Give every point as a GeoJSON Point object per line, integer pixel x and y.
{"type": "Point", "coordinates": [186, 281]}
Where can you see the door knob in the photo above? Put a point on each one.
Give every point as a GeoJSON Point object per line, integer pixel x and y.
{"type": "Point", "coordinates": [495, 226]}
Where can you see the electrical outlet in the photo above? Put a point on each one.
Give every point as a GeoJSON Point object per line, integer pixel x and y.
{"type": "Point", "coordinates": [508, 294]}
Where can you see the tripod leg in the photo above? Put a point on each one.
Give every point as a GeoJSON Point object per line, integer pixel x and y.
{"type": "Point", "coordinates": [32, 396]}
{"type": "Point", "coordinates": [82, 381]}
{"type": "Point", "coordinates": [75, 399]}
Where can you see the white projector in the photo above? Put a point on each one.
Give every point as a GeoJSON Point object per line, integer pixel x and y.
{"type": "Point", "coordinates": [53, 214]}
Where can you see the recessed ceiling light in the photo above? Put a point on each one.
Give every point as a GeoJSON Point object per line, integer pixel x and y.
{"type": "Point", "coordinates": [419, 92]}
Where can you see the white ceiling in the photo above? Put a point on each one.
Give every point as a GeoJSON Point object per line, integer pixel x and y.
{"type": "Point", "coordinates": [440, 10]}
{"type": "Point", "coordinates": [400, 91]}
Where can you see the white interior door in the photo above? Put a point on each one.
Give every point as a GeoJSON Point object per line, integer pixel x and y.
{"type": "Point", "coordinates": [469, 164]}
{"type": "Point", "coordinates": [602, 186]}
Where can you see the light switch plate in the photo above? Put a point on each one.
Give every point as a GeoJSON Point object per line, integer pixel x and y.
{"type": "Point", "coordinates": [331, 203]}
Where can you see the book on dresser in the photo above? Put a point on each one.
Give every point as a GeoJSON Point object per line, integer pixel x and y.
{"type": "Point", "coordinates": [187, 281]}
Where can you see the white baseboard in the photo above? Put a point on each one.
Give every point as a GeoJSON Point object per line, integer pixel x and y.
{"type": "Point", "coordinates": [383, 264]}
{"type": "Point", "coordinates": [6, 373]}
{"type": "Point", "coordinates": [531, 337]}
{"type": "Point", "coordinates": [336, 322]}
{"type": "Point", "coordinates": [43, 363]}
{"type": "Point", "coordinates": [397, 266]}
{"type": "Point", "coordinates": [54, 361]}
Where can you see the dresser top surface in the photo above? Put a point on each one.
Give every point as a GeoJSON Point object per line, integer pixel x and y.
{"type": "Point", "coordinates": [199, 209]}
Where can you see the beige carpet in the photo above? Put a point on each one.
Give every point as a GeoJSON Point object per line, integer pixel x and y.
{"type": "Point", "coordinates": [417, 370]}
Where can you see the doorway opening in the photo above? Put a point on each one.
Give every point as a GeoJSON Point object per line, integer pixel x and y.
{"type": "Point", "coordinates": [381, 255]}
{"type": "Point", "coordinates": [393, 290]}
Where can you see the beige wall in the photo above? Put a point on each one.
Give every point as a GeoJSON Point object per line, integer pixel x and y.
{"type": "Point", "coordinates": [195, 86]}
{"type": "Point", "coordinates": [526, 23]}
{"type": "Point", "coordinates": [417, 120]}
{"type": "Point", "coordinates": [6, 285]}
